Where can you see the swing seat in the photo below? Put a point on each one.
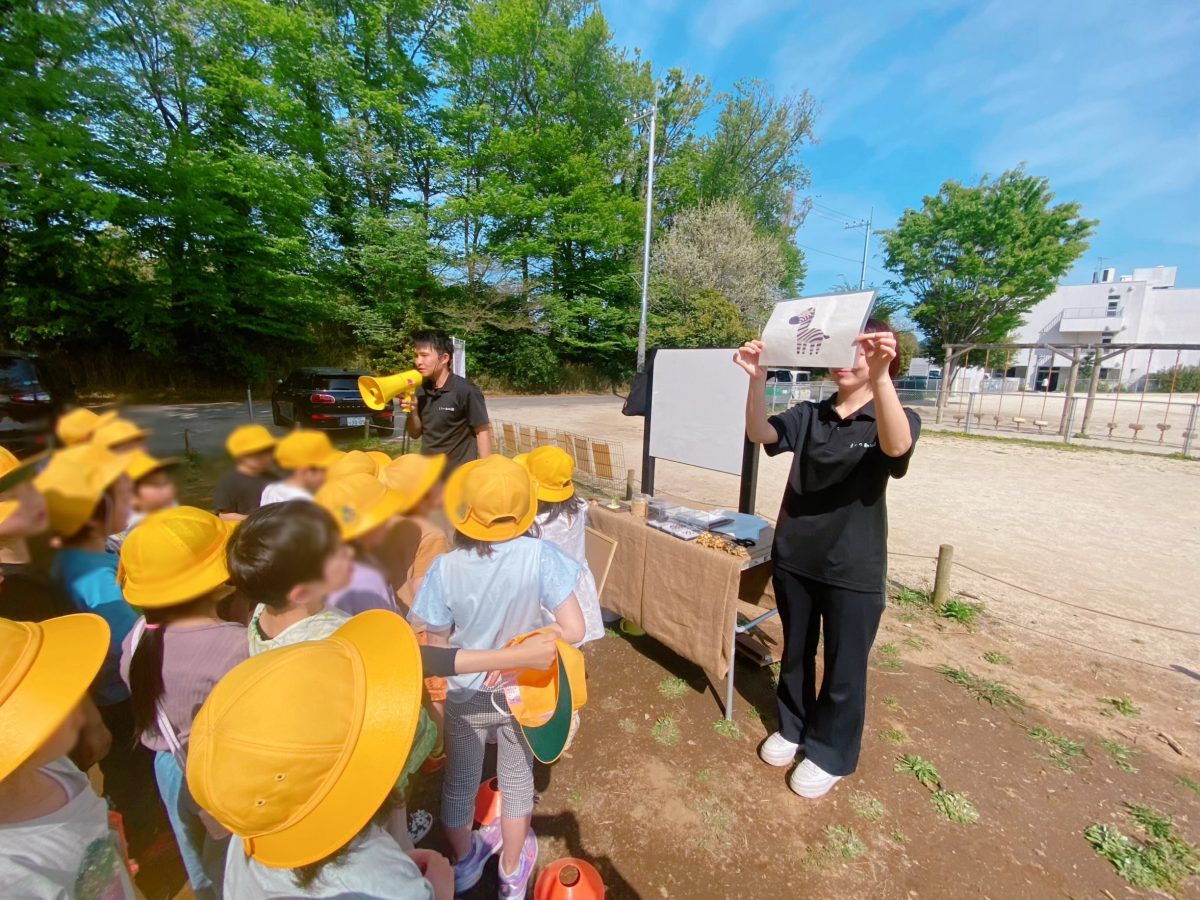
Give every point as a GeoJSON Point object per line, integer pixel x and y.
{"type": "Point", "coordinates": [997, 420]}
{"type": "Point", "coordinates": [1040, 425]}
{"type": "Point", "coordinates": [1135, 427]}
{"type": "Point", "coordinates": [1020, 421]}
{"type": "Point", "coordinates": [958, 417]}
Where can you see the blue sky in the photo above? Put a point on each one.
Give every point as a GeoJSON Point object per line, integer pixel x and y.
{"type": "Point", "coordinates": [1103, 98]}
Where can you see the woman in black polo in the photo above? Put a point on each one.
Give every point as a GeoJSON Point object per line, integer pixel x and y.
{"type": "Point", "coordinates": [830, 550]}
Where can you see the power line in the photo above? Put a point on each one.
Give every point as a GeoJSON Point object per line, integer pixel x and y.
{"type": "Point", "coordinates": [837, 212]}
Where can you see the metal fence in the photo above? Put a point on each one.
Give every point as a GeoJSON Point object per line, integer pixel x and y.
{"type": "Point", "coordinates": [599, 464]}
{"type": "Point", "coordinates": [1144, 421]}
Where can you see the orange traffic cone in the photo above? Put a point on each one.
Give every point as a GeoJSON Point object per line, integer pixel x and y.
{"type": "Point", "coordinates": [569, 879]}
{"type": "Point", "coordinates": [487, 803]}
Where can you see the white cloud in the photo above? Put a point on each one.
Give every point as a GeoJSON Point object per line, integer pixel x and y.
{"type": "Point", "coordinates": [719, 21]}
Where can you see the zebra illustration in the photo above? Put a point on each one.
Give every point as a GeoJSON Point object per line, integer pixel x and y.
{"type": "Point", "coordinates": [808, 339]}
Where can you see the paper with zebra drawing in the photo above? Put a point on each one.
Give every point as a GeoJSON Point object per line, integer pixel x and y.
{"type": "Point", "coordinates": [816, 332]}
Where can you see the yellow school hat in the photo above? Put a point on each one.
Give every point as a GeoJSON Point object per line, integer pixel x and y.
{"type": "Point", "coordinates": [355, 462]}
{"type": "Point", "coordinates": [80, 424]}
{"type": "Point", "coordinates": [12, 473]}
{"type": "Point", "coordinates": [360, 503]}
{"type": "Point", "coordinates": [306, 450]}
{"type": "Point", "coordinates": [142, 464]}
{"type": "Point", "coordinates": [247, 439]}
{"type": "Point", "coordinates": [295, 750]}
{"type": "Point", "coordinates": [173, 556]}
{"type": "Point", "coordinates": [491, 499]}
{"type": "Point", "coordinates": [118, 431]}
{"type": "Point", "coordinates": [553, 471]}
{"type": "Point", "coordinates": [548, 700]}
{"type": "Point", "coordinates": [74, 481]}
{"type": "Point", "coordinates": [413, 475]}
{"type": "Point", "coordinates": [45, 669]}
{"type": "Point", "coordinates": [382, 460]}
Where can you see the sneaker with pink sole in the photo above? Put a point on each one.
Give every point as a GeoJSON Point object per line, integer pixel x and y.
{"type": "Point", "coordinates": [468, 870]}
{"type": "Point", "coordinates": [516, 885]}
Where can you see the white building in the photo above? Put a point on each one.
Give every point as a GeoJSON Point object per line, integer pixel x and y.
{"type": "Point", "coordinates": [1142, 308]}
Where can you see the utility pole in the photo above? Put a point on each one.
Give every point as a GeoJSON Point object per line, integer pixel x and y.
{"type": "Point", "coordinates": [653, 115]}
{"type": "Point", "coordinates": [864, 224]}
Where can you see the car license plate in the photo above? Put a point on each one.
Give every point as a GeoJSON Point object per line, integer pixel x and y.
{"type": "Point", "coordinates": [355, 421]}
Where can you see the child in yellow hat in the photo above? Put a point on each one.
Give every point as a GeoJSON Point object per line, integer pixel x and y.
{"type": "Point", "coordinates": [304, 456]}
{"type": "Point", "coordinates": [120, 436]}
{"type": "Point", "coordinates": [55, 836]}
{"type": "Point", "coordinates": [305, 794]}
{"type": "Point", "coordinates": [239, 491]}
{"type": "Point", "coordinates": [562, 520]}
{"type": "Point", "coordinates": [79, 424]}
{"type": "Point", "coordinates": [173, 568]}
{"type": "Point", "coordinates": [488, 590]}
{"type": "Point", "coordinates": [153, 490]}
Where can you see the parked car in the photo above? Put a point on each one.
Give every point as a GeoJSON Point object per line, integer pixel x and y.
{"type": "Point", "coordinates": [33, 393]}
{"type": "Point", "coordinates": [328, 399]}
{"type": "Point", "coordinates": [786, 387]}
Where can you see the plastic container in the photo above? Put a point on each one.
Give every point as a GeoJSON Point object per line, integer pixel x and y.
{"type": "Point", "coordinates": [569, 879]}
{"type": "Point", "coordinates": [658, 510]}
{"type": "Point", "coordinates": [639, 505]}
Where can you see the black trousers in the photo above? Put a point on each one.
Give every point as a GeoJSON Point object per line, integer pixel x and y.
{"type": "Point", "coordinates": [129, 779]}
{"type": "Point", "coordinates": [829, 723]}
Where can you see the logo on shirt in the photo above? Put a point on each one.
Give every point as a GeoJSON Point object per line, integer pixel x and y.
{"type": "Point", "coordinates": [808, 339]}
{"type": "Point", "coordinates": [865, 445]}
{"type": "Point", "coordinates": [446, 408]}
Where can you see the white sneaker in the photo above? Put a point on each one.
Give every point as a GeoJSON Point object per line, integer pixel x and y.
{"type": "Point", "coordinates": [810, 781]}
{"type": "Point", "coordinates": [778, 751]}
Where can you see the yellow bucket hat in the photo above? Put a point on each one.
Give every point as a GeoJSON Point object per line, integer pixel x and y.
{"type": "Point", "coordinates": [306, 450]}
{"type": "Point", "coordinates": [75, 480]}
{"type": "Point", "coordinates": [174, 556]}
{"type": "Point", "coordinates": [360, 503]}
{"type": "Point", "coordinates": [80, 424]}
{"type": "Point", "coordinates": [553, 471]}
{"type": "Point", "coordinates": [382, 460]}
{"type": "Point", "coordinates": [491, 499]}
{"type": "Point", "coordinates": [142, 464]}
{"type": "Point", "coordinates": [45, 669]}
{"type": "Point", "coordinates": [548, 698]}
{"type": "Point", "coordinates": [413, 475]}
{"type": "Point", "coordinates": [297, 786]}
{"type": "Point", "coordinates": [12, 473]}
{"type": "Point", "coordinates": [355, 462]}
{"type": "Point", "coordinates": [118, 431]}
{"type": "Point", "coordinates": [247, 439]}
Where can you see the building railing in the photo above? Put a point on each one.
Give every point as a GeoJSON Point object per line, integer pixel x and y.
{"type": "Point", "coordinates": [1092, 312]}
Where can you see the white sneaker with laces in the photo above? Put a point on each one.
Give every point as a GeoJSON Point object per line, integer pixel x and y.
{"type": "Point", "coordinates": [778, 751]}
{"type": "Point", "coordinates": [810, 781]}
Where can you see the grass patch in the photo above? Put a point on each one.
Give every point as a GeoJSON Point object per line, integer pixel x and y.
{"type": "Point", "coordinates": [673, 688]}
{"type": "Point", "coordinates": [910, 597]}
{"type": "Point", "coordinates": [1190, 783]}
{"type": "Point", "coordinates": [840, 840]}
{"type": "Point", "coordinates": [921, 769]}
{"type": "Point", "coordinates": [775, 669]}
{"type": "Point", "coordinates": [715, 814]}
{"type": "Point", "coordinates": [899, 836]}
{"type": "Point", "coordinates": [891, 703]}
{"type": "Point", "coordinates": [1123, 756]}
{"type": "Point", "coordinates": [867, 807]}
{"type": "Point", "coordinates": [955, 806]}
{"type": "Point", "coordinates": [994, 693]}
{"type": "Point", "coordinates": [1156, 858]}
{"type": "Point", "coordinates": [888, 650]}
{"type": "Point", "coordinates": [1063, 752]}
{"type": "Point", "coordinates": [996, 658]}
{"type": "Point", "coordinates": [754, 714]}
{"type": "Point", "coordinates": [893, 736]}
{"type": "Point", "coordinates": [704, 776]}
{"type": "Point", "coordinates": [1123, 705]}
{"type": "Point", "coordinates": [666, 732]}
{"type": "Point", "coordinates": [574, 795]}
{"type": "Point", "coordinates": [956, 609]}
{"type": "Point", "coordinates": [891, 664]}
{"type": "Point", "coordinates": [917, 643]}
{"type": "Point", "coordinates": [629, 726]}
{"type": "Point", "coordinates": [727, 729]}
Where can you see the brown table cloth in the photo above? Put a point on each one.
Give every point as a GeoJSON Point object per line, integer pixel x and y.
{"type": "Point", "coordinates": [684, 595]}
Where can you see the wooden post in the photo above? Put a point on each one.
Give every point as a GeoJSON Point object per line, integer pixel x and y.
{"type": "Point", "coordinates": [630, 475]}
{"type": "Point", "coordinates": [187, 442]}
{"type": "Point", "coordinates": [1093, 384]}
{"type": "Point", "coordinates": [941, 581]}
{"type": "Point", "coordinates": [1072, 377]}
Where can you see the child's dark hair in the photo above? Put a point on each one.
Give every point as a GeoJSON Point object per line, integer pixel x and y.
{"type": "Point", "coordinates": [438, 340]}
{"type": "Point", "coordinates": [145, 668]}
{"type": "Point", "coordinates": [279, 546]}
{"type": "Point", "coordinates": [552, 509]}
{"type": "Point", "coordinates": [483, 548]}
{"type": "Point", "coordinates": [305, 876]}
{"type": "Point", "coordinates": [877, 325]}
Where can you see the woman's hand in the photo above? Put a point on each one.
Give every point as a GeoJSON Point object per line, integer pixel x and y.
{"type": "Point", "coordinates": [747, 356]}
{"type": "Point", "coordinates": [537, 652]}
{"type": "Point", "coordinates": [879, 348]}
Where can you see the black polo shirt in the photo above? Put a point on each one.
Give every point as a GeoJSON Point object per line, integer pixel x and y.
{"type": "Point", "coordinates": [449, 416]}
{"type": "Point", "coordinates": [833, 521]}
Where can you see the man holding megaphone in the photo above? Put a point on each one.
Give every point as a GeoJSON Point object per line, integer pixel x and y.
{"type": "Point", "coordinates": [446, 411]}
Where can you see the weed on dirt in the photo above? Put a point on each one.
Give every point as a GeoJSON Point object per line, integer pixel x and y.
{"type": "Point", "coordinates": [841, 843]}
{"type": "Point", "coordinates": [727, 729]}
{"type": "Point", "coordinates": [666, 732]}
{"type": "Point", "coordinates": [673, 688]}
{"type": "Point", "coordinates": [889, 657]}
{"type": "Point", "coordinates": [867, 807]}
{"type": "Point", "coordinates": [956, 609]}
{"type": "Point", "coordinates": [917, 643]}
{"type": "Point", "coordinates": [1063, 752]}
{"type": "Point", "coordinates": [899, 836]}
{"type": "Point", "coordinates": [629, 726]}
{"type": "Point", "coordinates": [996, 658]}
{"type": "Point", "coordinates": [1191, 784]}
{"type": "Point", "coordinates": [891, 703]}
{"type": "Point", "coordinates": [893, 736]}
{"type": "Point", "coordinates": [1123, 705]}
{"type": "Point", "coordinates": [775, 669]}
{"type": "Point", "coordinates": [995, 693]}
{"type": "Point", "coordinates": [910, 597]}
{"type": "Point", "coordinates": [955, 806]}
{"type": "Point", "coordinates": [921, 769]}
{"type": "Point", "coordinates": [1121, 755]}
{"type": "Point", "coordinates": [1156, 858]}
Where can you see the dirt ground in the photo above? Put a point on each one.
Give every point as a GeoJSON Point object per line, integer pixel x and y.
{"type": "Point", "coordinates": [665, 806]}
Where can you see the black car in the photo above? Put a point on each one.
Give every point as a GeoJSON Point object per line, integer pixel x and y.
{"type": "Point", "coordinates": [329, 399]}
{"type": "Point", "coordinates": [33, 393]}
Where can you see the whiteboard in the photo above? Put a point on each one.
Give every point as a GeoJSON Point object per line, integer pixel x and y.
{"type": "Point", "coordinates": [698, 415]}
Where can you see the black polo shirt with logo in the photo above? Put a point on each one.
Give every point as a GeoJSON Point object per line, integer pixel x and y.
{"type": "Point", "coordinates": [833, 521]}
{"type": "Point", "coordinates": [449, 416]}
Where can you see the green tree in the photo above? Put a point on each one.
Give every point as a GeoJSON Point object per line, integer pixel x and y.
{"type": "Point", "coordinates": [975, 259]}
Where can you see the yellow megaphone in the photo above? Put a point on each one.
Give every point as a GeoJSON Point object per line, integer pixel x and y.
{"type": "Point", "coordinates": [377, 393]}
